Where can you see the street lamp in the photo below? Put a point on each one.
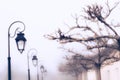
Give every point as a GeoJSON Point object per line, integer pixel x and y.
{"type": "Point", "coordinates": [42, 70]}
{"type": "Point", "coordinates": [20, 41]}
{"type": "Point", "coordinates": [35, 60]}
{"type": "Point", "coordinates": [35, 63]}
{"type": "Point", "coordinates": [30, 51]}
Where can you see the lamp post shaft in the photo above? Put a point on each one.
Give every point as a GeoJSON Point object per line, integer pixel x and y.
{"type": "Point", "coordinates": [28, 74]}
{"type": "Point", "coordinates": [42, 76]}
{"type": "Point", "coordinates": [9, 59]}
{"type": "Point", "coordinates": [9, 68]}
{"type": "Point", "coordinates": [37, 73]}
{"type": "Point", "coordinates": [28, 67]}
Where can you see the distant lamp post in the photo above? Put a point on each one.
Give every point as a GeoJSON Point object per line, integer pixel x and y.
{"type": "Point", "coordinates": [20, 41]}
{"type": "Point", "coordinates": [35, 60]}
{"type": "Point", "coordinates": [28, 57]}
{"type": "Point", "coordinates": [42, 70]}
{"type": "Point", "coordinates": [35, 63]}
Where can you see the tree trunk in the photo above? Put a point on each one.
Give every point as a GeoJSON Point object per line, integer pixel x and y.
{"type": "Point", "coordinates": [98, 74]}
{"type": "Point", "coordinates": [85, 77]}
{"type": "Point", "coordinates": [77, 78]}
{"type": "Point", "coordinates": [80, 76]}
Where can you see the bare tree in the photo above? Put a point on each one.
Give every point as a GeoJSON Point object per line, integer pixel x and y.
{"type": "Point", "coordinates": [82, 63]}
{"type": "Point", "coordinates": [74, 67]}
{"type": "Point", "coordinates": [95, 34]}
{"type": "Point", "coordinates": [71, 69]}
{"type": "Point", "coordinates": [102, 58]}
{"type": "Point", "coordinates": [105, 31]}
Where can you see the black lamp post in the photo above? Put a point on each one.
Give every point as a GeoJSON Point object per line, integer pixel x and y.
{"type": "Point", "coordinates": [20, 41]}
{"type": "Point", "coordinates": [35, 63]}
{"type": "Point", "coordinates": [30, 51]}
{"type": "Point", "coordinates": [42, 70]}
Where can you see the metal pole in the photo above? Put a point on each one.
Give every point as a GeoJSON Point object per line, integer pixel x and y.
{"type": "Point", "coordinates": [33, 49]}
{"type": "Point", "coordinates": [37, 73]}
{"type": "Point", "coordinates": [9, 58]}
{"type": "Point", "coordinates": [34, 58]}
{"type": "Point", "coordinates": [42, 75]}
{"type": "Point", "coordinates": [28, 67]}
{"type": "Point", "coordinates": [42, 71]}
{"type": "Point", "coordinates": [28, 74]}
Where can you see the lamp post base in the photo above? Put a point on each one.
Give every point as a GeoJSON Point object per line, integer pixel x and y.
{"type": "Point", "coordinates": [9, 68]}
